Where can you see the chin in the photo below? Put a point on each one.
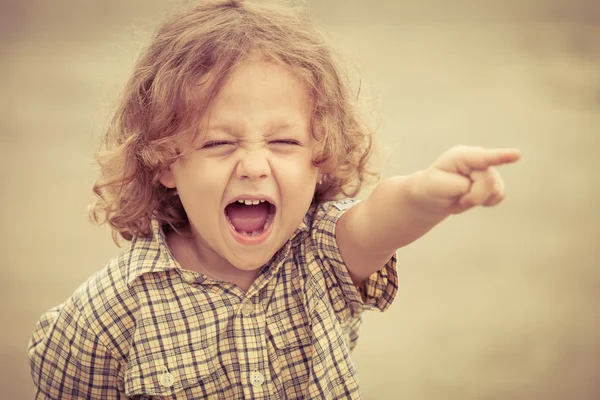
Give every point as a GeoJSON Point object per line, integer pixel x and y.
{"type": "Point", "coordinates": [250, 263]}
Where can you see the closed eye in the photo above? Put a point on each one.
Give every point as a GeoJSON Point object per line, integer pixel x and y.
{"type": "Point", "coordinates": [217, 143]}
{"type": "Point", "coordinates": [285, 141]}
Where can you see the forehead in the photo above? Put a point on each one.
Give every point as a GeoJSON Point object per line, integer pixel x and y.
{"type": "Point", "coordinates": [257, 94]}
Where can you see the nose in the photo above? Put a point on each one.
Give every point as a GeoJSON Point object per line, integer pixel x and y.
{"type": "Point", "coordinates": [253, 165]}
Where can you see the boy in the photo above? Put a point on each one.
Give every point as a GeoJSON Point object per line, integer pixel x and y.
{"type": "Point", "coordinates": [230, 166]}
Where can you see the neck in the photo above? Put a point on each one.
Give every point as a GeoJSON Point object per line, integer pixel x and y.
{"type": "Point", "coordinates": [193, 254]}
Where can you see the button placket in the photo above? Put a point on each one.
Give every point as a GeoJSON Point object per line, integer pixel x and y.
{"type": "Point", "coordinates": [251, 316]}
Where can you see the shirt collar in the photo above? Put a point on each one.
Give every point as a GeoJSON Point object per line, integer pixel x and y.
{"type": "Point", "coordinates": [149, 254]}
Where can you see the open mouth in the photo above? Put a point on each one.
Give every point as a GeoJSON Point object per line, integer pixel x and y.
{"type": "Point", "coordinates": [250, 218]}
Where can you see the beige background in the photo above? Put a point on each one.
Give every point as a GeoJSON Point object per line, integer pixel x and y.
{"type": "Point", "coordinates": [495, 304]}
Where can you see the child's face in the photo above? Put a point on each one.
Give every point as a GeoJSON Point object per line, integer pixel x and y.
{"type": "Point", "coordinates": [255, 143]}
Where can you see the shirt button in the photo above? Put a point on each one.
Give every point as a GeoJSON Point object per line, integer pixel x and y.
{"type": "Point", "coordinates": [188, 277]}
{"type": "Point", "coordinates": [247, 309]}
{"type": "Point", "coordinates": [166, 379]}
{"type": "Point", "coordinates": [256, 378]}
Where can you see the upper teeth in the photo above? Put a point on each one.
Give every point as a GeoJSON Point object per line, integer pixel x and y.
{"type": "Point", "coordinates": [251, 202]}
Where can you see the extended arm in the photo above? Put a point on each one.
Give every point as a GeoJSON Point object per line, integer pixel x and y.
{"type": "Point", "coordinates": [402, 209]}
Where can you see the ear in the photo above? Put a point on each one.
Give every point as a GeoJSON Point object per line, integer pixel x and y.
{"type": "Point", "coordinates": [322, 177]}
{"type": "Point", "coordinates": [167, 179]}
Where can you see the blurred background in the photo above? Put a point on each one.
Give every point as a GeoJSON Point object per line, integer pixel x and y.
{"type": "Point", "coordinates": [498, 303]}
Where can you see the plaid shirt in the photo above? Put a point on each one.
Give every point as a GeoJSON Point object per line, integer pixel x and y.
{"type": "Point", "coordinates": [144, 327]}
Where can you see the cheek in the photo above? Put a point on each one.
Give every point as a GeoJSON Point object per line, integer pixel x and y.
{"type": "Point", "coordinates": [299, 163]}
{"type": "Point", "coordinates": [296, 177]}
{"type": "Point", "coordinates": [202, 182]}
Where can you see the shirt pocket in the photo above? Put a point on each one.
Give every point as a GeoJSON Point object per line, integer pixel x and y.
{"type": "Point", "coordinates": [289, 330]}
{"type": "Point", "coordinates": [290, 340]}
{"type": "Point", "coordinates": [167, 373]}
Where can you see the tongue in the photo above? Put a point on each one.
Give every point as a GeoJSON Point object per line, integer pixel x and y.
{"type": "Point", "coordinates": [248, 218]}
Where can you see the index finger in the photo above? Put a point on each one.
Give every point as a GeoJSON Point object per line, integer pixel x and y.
{"type": "Point", "coordinates": [478, 158]}
{"type": "Point", "coordinates": [502, 156]}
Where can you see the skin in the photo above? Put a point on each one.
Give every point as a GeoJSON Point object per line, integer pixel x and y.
{"type": "Point", "coordinates": [256, 140]}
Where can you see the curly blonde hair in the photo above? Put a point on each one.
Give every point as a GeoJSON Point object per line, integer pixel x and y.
{"type": "Point", "coordinates": [194, 52]}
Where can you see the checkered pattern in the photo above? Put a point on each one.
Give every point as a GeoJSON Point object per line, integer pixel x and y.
{"type": "Point", "coordinates": [143, 327]}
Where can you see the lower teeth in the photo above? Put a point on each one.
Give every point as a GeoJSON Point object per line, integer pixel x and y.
{"type": "Point", "coordinates": [255, 233]}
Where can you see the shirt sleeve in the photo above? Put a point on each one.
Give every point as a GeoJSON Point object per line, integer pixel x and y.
{"type": "Point", "coordinates": [377, 292]}
{"type": "Point", "coordinates": [67, 360]}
